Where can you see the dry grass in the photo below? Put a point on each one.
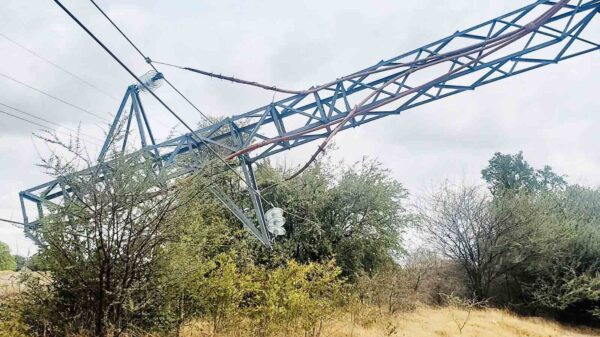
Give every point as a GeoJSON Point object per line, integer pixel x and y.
{"type": "Point", "coordinates": [8, 282]}
{"type": "Point", "coordinates": [439, 322]}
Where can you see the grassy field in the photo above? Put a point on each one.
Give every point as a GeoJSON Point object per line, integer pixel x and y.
{"type": "Point", "coordinates": [440, 322]}
{"type": "Point", "coordinates": [443, 322]}
{"type": "Point", "coordinates": [8, 282]}
{"type": "Point", "coordinates": [424, 322]}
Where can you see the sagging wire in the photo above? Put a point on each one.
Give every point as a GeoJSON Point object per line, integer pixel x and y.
{"type": "Point", "coordinates": [370, 71]}
{"type": "Point", "coordinates": [57, 66]}
{"type": "Point", "coordinates": [432, 60]}
{"type": "Point", "coordinates": [44, 128]}
{"type": "Point", "coordinates": [81, 25]}
{"type": "Point", "coordinates": [50, 122]}
{"type": "Point", "coordinates": [12, 222]}
{"type": "Point", "coordinates": [54, 97]}
{"type": "Point", "coordinates": [148, 60]}
{"type": "Point", "coordinates": [499, 43]}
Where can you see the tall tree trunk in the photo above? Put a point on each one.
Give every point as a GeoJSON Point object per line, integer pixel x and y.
{"type": "Point", "coordinates": [100, 310]}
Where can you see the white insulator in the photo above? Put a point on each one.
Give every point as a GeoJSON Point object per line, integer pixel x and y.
{"type": "Point", "coordinates": [275, 221]}
{"type": "Point", "coordinates": [151, 80]}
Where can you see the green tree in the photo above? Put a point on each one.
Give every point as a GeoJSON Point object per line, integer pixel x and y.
{"type": "Point", "coordinates": [296, 296]}
{"type": "Point", "coordinates": [354, 214]}
{"type": "Point", "coordinates": [512, 173]}
{"type": "Point", "coordinates": [21, 262]}
{"type": "Point", "coordinates": [7, 261]}
{"type": "Point", "coordinates": [208, 250]}
{"type": "Point", "coordinates": [102, 248]}
{"type": "Point", "coordinates": [565, 277]}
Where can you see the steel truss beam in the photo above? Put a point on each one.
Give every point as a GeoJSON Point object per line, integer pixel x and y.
{"type": "Point", "coordinates": [305, 117]}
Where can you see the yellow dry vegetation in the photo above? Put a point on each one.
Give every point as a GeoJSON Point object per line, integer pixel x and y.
{"type": "Point", "coordinates": [444, 322]}
{"type": "Point", "coordinates": [8, 282]}
{"type": "Point", "coordinates": [439, 322]}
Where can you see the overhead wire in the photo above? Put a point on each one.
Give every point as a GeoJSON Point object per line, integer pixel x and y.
{"type": "Point", "coordinates": [501, 43]}
{"type": "Point", "coordinates": [498, 42]}
{"type": "Point", "coordinates": [26, 120]}
{"type": "Point", "coordinates": [171, 111]}
{"type": "Point", "coordinates": [92, 35]}
{"type": "Point", "coordinates": [148, 60]}
{"type": "Point", "coordinates": [66, 71]}
{"type": "Point", "coordinates": [12, 222]}
{"type": "Point", "coordinates": [47, 121]}
{"type": "Point", "coordinates": [235, 80]}
{"type": "Point", "coordinates": [356, 110]}
{"type": "Point", "coordinates": [57, 66]}
{"type": "Point", "coordinates": [272, 88]}
{"type": "Point", "coordinates": [53, 97]}
{"type": "Point", "coordinates": [44, 127]}
{"type": "Point", "coordinates": [420, 64]}
{"type": "Point", "coordinates": [70, 73]}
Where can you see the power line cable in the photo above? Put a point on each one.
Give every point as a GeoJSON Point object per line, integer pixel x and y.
{"type": "Point", "coordinates": [12, 222]}
{"type": "Point", "coordinates": [116, 58]}
{"type": "Point", "coordinates": [54, 97]}
{"type": "Point", "coordinates": [26, 120]}
{"type": "Point", "coordinates": [47, 121]}
{"type": "Point", "coordinates": [80, 24]}
{"type": "Point", "coordinates": [59, 67]}
{"type": "Point", "coordinates": [45, 127]}
{"type": "Point", "coordinates": [79, 78]}
{"type": "Point", "coordinates": [148, 60]}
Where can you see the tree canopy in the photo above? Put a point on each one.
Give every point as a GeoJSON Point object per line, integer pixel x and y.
{"type": "Point", "coordinates": [7, 261]}
{"type": "Point", "coordinates": [512, 173]}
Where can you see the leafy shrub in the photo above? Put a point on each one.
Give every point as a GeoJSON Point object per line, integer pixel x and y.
{"type": "Point", "coordinates": [7, 261]}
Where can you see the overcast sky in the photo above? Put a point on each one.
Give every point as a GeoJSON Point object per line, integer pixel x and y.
{"type": "Point", "coordinates": [552, 114]}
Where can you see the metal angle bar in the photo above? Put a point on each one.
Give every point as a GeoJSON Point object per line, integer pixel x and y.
{"type": "Point", "coordinates": [23, 210]}
{"type": "Point", "coordinates": [488, 35]}
{"type": "Point", "coordinates": [333, 101]}
{"type": "Point", "coordinates": [584, 24]}
{"type": "Point", "coordinates": [572, 16]}
{"type": "Point", "coordinates": [443, 83]}
{"type": "Point", "coordinates": [233, 207]}
{"type": "Point", "coordinates": [579, 53]}
{"type": "Point", "coordinates": [312, 117]}
{"type": "Point", "coordinates": [278, 124]}
{"type": "Point", "coordinates": [332, 108]}
{"type": "Point", "coordinates": [138, 119]}
{"type": "Point", "coordinates": [255, 130]}
{"type": "Point", "coordinates": [254, 196]}
{"type": "Point", "coordinates": [524, 48]}
{"type": "Point", "coordinates": [174, 153]}
{"type": "Point", "coordinates": [530, 60]}
{"type": "Point", "coordinates": [111, 131]}
{"type": "Point", "coordinates": [143, 112]}
{"type": "Point", "coordinates": [127, 128]}
{"type": "Point", "coordinates": [320, 107]}
{"type": "Point", "coordinates": [300, 112]}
